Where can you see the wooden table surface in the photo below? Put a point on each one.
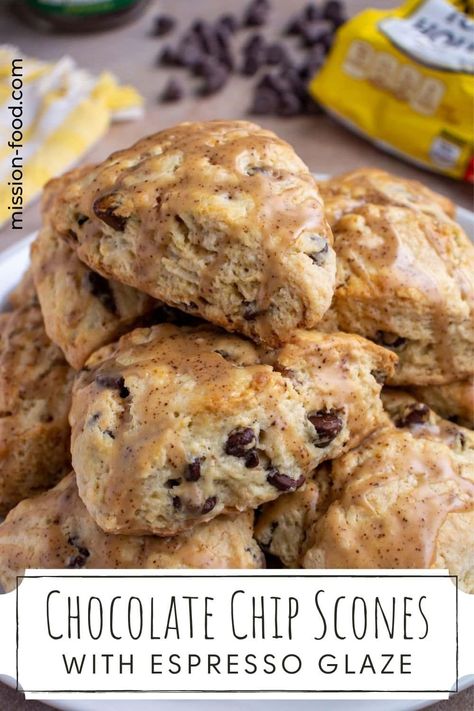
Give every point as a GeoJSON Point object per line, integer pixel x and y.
{"type": "Point", "coordinates": [131, 53]}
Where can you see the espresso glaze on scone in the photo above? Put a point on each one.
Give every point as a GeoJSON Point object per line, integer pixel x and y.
{"type": "Point", "coordinates": [363, 186]}
{"type": "Point", "coordinates": [283, 525]}
{"type": "Point", "coordinates": [404, 279]}
{"type": "Point", "coordinates": [54, 530]}
{"type": "Point", "coordinates": [454, 401]}
{"type": "Point", "coordinates": [35, 394]}
{"type": "Point", "coordinates": [82, 310]}
{"type": "Point", "coordinates": [172, 426]}
{"type": "Point", "coordinates": [403, 499]}
{"type": "Point", "coordinates": [220, 219]}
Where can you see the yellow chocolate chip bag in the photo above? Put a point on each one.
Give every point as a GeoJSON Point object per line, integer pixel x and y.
{"type": "Point", "coordinates": [404, 79]}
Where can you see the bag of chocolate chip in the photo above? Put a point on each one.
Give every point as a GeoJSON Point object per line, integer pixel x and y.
{"type": "Point", "coordinates": [404, 79]}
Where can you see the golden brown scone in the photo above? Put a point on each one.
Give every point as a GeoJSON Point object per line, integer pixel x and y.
{"type": "Point", "coordinates": [220, 219]}
{"type": "Point", "coordinates": [454, 401]}
{"type": "Point", "coordinates": [35, 393]}
{"type": "Point", "coordinates": [373, 186]}
{"type": "Point", "coordinates": [172, 426]}
{"type": "Point", "coordinates": [54, 530]}
{"type": "Point", "coordinates": [404, 279]}
{"type": "Point", "coordinates": [283, 525]}
{"type": "Point", "coordinates": [403, 499]}
{"type": "Point", "coordinates": [24, 292]}
{"type": "Point", "coordinates": [82, 310]}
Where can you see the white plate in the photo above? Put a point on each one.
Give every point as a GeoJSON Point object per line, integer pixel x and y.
{"type": "Point", "coordinates": [13, 263]}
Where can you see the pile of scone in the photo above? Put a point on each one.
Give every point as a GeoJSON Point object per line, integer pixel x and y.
{"type": "Point", "coordinates": [191, 372]}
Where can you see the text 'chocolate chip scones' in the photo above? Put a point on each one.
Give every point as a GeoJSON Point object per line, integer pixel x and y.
{"type": "Point", "coordinates": [172, 426]}
{"type": "Point", "coordinates": [220, 219]}
{"type": "Point", "coordinates": [35, 395]}
{"type": "Point", "coordinates": [82, 310]}
{"type": "Point", "coordinates": [405, 276]}
{"type": "Point", "coordinates": [54, 530]}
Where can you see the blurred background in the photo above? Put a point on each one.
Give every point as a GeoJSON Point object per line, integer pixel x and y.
{"type": "Point", "coordinates": [145, 51]}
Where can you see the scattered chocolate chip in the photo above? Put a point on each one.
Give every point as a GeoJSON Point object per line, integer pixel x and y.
{"type": "Point", "coordinates": [389, 340]}
{"type": "Point", "coordinates": [105, 208]}
{"type": "Point", "coordinates": [318, 256]}
{"type": "Point", "coordinates": [252, 459]}
{"type": "Point", "coordinates": [328, 424]}
{"type": "Point", "coordinates": [283, 482]}
{"type": "Point", "coordinates": [289, 105]}
{"type": "Point", "coordinates": [334, 10]}
{"type": "Point", "coordinates": [240, 441]}
{"type": "Point", "coordinates": [176, 503]}
{"type": "Point", "coordinates": [101, 289]}
{"type": "Point", "coordinates": [265, 102]}
{"type": "Point", "coordinates": [209, 504]}
{"type": "Point", "coordinates": [168, 58]}
{"type": "Point", "coordinates": [275, 54]}
{"type": "Point", "coordinates": [256, 13]}
{"type": "Point", "coordinates": [215, 81]}
{"type": "Point", "coordinates": [250, 310]}
{"type": "Point", "coordinates": [230, 22]}
{"type": "Point", "coordinates": [315, 32]}
{"type": "Point", "coordinates": [116, 382]}
{"type": "Point", "coordinates": [312, 12]}
{"type": "Point", "coordinates": [173, 91]}
{"type": "Point", "coordinates": [162, 25]}
{"type": "Point", "coordinates": [171, 483]}
{"type": "Point", "coordinates": [416, 414]}
{"type": "Point", "coordinates": [251, 65]}
{"type": "Point", "coordinates": [193, 470]}
{"type": "Point", "coordinates": [294, 26]}
{"type": "Point", "coordinates": [273, 562]}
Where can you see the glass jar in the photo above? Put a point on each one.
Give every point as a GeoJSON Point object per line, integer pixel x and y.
{"type": "Point", "coordinates": [79, 15]}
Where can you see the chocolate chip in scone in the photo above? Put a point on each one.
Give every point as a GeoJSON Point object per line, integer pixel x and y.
{"type": "Point", "coordinates": [209, 504]}
{"type": "Point", "coordinates": [416, 414]}
{"type": "Point", "coordinates": [193, 470]}
{"type": "Point", "coordinates": [240, 441]}
{"type": "Point", "coordinates": [283, 482]}
{"type": "Point", "coordinates": [171, 483]}
{"type": "Point", "coordinates": [100, 288]}
{"type": "Point", "coordinates": [106, 209]}
{"type": "Point", "coordinates": [81, 219]}
{"type": "Point", "coordinates": [110, 434]}
{"type": "Point", "coordinates": [115, 382]}
{"type": "Point", "coordinates": [328, 424]}
{"type": "Point", "coordinates": [162, 25]}
{"type": "Point", "coordinates": [76, 561]}
{"type": "Point", "coordinates": [252, 459]}
{"type": "Point", "coordinates": [177, 504]}
{"type": "Point", "coordinates": [173, 91]}
{"type": "Point", "coordinates": [320, 251]}
{"type": "Point", "coordinates": [389, 339]}
{"type": "Point", "coordinates": [250, 310]}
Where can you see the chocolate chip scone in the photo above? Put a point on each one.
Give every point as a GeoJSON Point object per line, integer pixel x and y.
{"type": "Point", "coordinates": [82, 310]}
{"type": "Point", "coordinates": [404, 280]}
{"type": "Point", "coordinates": [54, 530]}
{"type": "Point", "coordinates": [363, 186]}
{"type": "Point", "coordinates": [35, 394]}
{"type": "Point", "coordinates": [172, 426]}
{"type": "Point", "coordinates": [283, 525]}
{"type": "Point", "coordinates": [403, 499]}
{"type": "Point", "coordinates": [219, 219]}
{"type": "Point", "coordinates": [454, 401]}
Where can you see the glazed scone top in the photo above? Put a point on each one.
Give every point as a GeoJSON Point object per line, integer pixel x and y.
{"type": "Point", "coordinates": [392, 497]}
{"type": "Point", "coordinates": [221, 219]}
{"type": "Point", "coordinates": [363, 186]}
{"type": "Point", "coordinates": [171, 426]}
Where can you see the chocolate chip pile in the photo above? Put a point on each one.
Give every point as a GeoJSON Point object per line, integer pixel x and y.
{"type": "Point", "coordinates": [211, 53]}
